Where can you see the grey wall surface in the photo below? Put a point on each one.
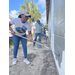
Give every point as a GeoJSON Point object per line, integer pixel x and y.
{"type": "Point", "coordinates": [56, 26]}
{"type": "Point", "coordinates": [59, 28]}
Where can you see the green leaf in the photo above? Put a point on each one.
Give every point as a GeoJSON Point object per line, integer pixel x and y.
{"type": "Point", "coordinates": [32, 9]}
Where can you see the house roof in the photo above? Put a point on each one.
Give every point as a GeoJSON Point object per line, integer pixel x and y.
{"type": "Point", "coordinates": [47, 9]}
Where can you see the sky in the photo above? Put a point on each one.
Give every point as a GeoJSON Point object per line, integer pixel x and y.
{"type": "Point", "coordinates": [14, 8]}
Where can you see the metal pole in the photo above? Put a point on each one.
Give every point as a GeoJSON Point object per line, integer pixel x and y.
{"type": "Point", "coordinates": [33, 41]}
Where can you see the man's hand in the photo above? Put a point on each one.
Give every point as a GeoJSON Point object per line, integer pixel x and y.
{"type": "Point", "coordinates": [42, 32]}
{"type": "Point", "coordinates": [31, 39]}
{"type": "Point", "coordinates": [43, 29]}
{"type": "Point", "coordinates": [12, 32]}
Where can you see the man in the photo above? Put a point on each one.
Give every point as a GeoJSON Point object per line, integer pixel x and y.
{"type": "Point", "coordinates": [38, 26]}
{"type": "Point", "coordinates": [21, 25]}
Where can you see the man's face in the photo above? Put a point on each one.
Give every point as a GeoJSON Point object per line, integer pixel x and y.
{"type": "Point", "coordinates": [24, 18]}
{"type": "Point", "coordinates": [38, 22]}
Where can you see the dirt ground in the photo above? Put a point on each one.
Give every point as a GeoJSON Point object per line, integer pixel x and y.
{"type": "Point", "coordinates": [42, 61]}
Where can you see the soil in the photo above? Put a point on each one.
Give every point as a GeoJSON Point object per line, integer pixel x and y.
{"type": "Point", "coordinates": [42, 61]}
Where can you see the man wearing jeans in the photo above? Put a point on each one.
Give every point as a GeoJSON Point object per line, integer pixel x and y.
{"type": "Point", "coordinates": [38, 26]}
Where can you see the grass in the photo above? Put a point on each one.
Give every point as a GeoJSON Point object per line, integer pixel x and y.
{"type": "Point", "coordinates": [33, 33]}
{"type": "Point", "coordinates": [51, 69]}
{"type": "Point", "coordinates": [10, 66]}
{"type": "Point", "coordinates": [12, 44]}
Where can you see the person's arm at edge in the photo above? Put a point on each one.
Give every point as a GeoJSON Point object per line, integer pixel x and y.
{"type": "Point", "coordinates": [30, 36]}
{"type": "Point", "coordinates": [12, 32]}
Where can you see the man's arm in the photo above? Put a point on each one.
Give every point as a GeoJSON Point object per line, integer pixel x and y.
{"type": "Point", "coordinates": [12, 32]}
{"type": "Point", "coordinates": [43, 27]}
{"type": "Point", "coordinates": [10, 27]}
{"type": "Point", "coordinates": [30, 36]}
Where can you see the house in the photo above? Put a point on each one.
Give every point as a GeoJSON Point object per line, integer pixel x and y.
{"type": "Point", "coordinates": [55, 17]}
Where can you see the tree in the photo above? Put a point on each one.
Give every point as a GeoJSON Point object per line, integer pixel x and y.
{"type": "Point", "coordinates": [32, 9]}
{"type": "Point", "coordinates": [46, 26]}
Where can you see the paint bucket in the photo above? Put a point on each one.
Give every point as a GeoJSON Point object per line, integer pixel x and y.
{"type": "Point", "coordinates": [38, 45]}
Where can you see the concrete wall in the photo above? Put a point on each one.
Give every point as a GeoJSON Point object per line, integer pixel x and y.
{"type": "Point", "coordinates": [56, 26]}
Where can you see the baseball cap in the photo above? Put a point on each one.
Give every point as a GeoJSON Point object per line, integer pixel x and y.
{"type": "Point", "coordinates": [24, 12]}
{"type": "Point", "coordinates": [38, 20]}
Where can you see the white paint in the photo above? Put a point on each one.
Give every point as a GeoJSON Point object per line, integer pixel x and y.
{"type": "Point", "coordinates": [61, 70]}
{"type": "Point", "coordinates": [52, 25]}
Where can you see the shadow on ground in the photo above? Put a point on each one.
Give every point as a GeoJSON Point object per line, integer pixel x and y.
{"type": "Point", "coordinates": [31, 56]}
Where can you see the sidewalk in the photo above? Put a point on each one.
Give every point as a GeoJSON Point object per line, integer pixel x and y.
{"type": "Point", "coordinates": [42, 62]}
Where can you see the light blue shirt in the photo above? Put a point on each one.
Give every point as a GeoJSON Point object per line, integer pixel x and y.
{"type": "Point", "coordinates": [38, 27]}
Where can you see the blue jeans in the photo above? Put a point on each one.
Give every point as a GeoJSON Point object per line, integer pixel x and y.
{"type": "Point", "coordinates": [16, 40]}
{"type": "Point", "coordinates": [36, 34]}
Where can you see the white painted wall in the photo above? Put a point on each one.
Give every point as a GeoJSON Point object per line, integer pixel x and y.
{"type": "Point", "coordinates": [61, 70]}
{"type": "Point", "coordinates": [52, 25]}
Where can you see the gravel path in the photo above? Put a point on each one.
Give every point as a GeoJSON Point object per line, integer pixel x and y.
{"type": "Point", "coordinates": [42, 62]}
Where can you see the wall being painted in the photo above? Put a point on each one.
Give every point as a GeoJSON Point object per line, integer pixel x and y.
{"type": "Point", "coordinates": [56, 26]}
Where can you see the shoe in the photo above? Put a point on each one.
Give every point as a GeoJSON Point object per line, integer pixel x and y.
{"type": "Point", "coordinates": [26, 61]}
{"type": "Point", "coordinates": [14, 61]}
